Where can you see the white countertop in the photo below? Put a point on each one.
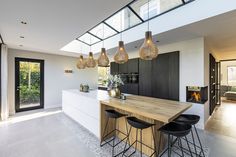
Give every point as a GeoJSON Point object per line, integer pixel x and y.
{"type": "Point", "coordinates": [94, 94]}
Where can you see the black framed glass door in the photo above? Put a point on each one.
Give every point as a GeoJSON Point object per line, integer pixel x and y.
{"type": "Point", "coordinates": [29, 84]}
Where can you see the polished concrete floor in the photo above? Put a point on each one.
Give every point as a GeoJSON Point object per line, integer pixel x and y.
{"type": "Point", "coordinates": [223, 120]}
{"type": "Point", "coordinates": [50, 133]}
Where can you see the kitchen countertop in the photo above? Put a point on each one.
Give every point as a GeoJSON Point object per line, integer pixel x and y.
{"type": "Point", "coordinates": [158, 109]}
{"type": "Point", "coordinates": [93, 94]}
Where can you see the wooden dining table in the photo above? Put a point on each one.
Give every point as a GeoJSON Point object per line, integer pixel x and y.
{"type": "Point", "coordinates": [152, 110]}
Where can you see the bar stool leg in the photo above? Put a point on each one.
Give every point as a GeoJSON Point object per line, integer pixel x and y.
{"type": "Point", "coordinates": [141, 144]}
{"type": "Point", "coordinates": [169, 146]}
{"type": "Point", "coordinates": [199, 141]}
{"type": "Point", "coordinates": [181, 146]}
{"type": "Point", "coordinates": [195, 147]}
{"type": "Point", "coordinates": [189, 147]}
{"type": "Point", "coordinates": [127, 141]}
{"type": "Point", "coordinates": [159, 145]}
{"type": "Point", "coordinates": [104, 131]}
{"type": "Point", "coordinates": [154, 141]}
{"type": "Point", "coordinates": [114, 137]}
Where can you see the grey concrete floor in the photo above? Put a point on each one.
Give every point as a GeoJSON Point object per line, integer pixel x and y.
{"type": "Point", "coordinates": [50, 133]}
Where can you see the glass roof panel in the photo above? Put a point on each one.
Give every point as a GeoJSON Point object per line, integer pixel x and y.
{"type": "Point", "coordinates": [123, 20]}
{"type": "Point", "coordinates": [98, 31]}
{"type": "Point", "coordinates": [89, 39]}
{"type": "Point", "coordinates": [155, 7]}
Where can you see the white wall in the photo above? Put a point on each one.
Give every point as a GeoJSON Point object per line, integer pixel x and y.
{"type": "Point", "coordinates": [224, 72]}
{"type": "Point", "coordinates": [55, 80]}
{"type": "Point", "coordinates": [4, 83]}
{"type": "Point", "coordinates": [193, 62]}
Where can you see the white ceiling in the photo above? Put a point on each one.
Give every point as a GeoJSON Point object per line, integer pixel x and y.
{"type": "Point", "coordinates": [51, 23]}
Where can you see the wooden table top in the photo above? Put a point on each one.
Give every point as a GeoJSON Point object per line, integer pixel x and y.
{"type": "Point", "coordinates": [158, 109]}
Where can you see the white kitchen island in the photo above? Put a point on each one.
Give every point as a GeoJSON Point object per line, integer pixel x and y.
{"type": "Point", "coordinates": [84, 108]}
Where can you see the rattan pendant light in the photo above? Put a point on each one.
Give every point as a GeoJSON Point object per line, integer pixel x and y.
{"type": "Point", "coordinates": [148, 50]}
{"type": "Point", "coordinates": [91, 63]}
{"type": "Point", "coordinates": [103, 60]}
{"type": "Point", "coordinates": [81, 63]}
{"type": "Point", "coordinates": [121, 55]}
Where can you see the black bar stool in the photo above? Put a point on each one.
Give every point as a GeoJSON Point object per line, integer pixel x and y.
{"type": "Point", "coordinates": [174, 130]}
{"type": "Point", "coordinates": [192, 120]}
{"type": "Point", "coordinates": [112, 114]}
{"type": "Point", "coordinates": [139, 125]}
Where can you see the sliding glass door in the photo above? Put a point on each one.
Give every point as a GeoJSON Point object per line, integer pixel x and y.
{"type": "Point", "coordinates": [29, 84]}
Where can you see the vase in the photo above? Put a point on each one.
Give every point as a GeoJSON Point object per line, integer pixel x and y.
{"type": "Point", "coordinates": [114, 92]}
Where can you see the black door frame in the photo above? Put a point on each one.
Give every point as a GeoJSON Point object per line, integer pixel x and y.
{"type": "Point", "coordinates": [17, 96]}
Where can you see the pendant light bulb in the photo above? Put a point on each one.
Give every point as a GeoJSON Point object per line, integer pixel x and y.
{"type": "Point", "coordinates": [121, 55]}
{"type": "Point", "coordinates": [103, 60]}
{"type": "Point", "coordinates": [91, 63]}
{"type": "Point", "coordinates": [81, 63]}
{"type": "Point", "coordinates": [148, 50]}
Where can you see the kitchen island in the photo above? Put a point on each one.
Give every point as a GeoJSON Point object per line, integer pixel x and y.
{"type": "Point", "coordinates": [88, 109]}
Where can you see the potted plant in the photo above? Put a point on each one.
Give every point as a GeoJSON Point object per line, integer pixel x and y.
{"type": "Point", "coordinates": [113, 83]}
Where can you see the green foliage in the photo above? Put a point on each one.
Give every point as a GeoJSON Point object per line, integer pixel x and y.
{"type": "Point", "coordinates": [29, 95]}
{"type": "Point", "coordinates": [29, 83]}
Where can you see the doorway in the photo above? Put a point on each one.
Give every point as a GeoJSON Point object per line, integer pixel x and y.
{"type": "Point", "coordinates": [29, 84]}
{"type": "Point", "coordinates": [223, 118]}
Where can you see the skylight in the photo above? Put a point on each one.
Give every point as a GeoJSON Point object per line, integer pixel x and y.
{"type": "Point", "coordinates": [76, 47]}
{"type": "Point", "coordinates": [89, 39]}
{"type": "Point", "coordinates": [129, 16]}
{"type": "Point", "coordinates": [123, 20]}
{"type": "Point", "coordinates": [98, 31]}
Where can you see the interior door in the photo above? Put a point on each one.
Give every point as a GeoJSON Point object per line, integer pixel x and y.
{"type": "Point", "coordinates": [29, 84]}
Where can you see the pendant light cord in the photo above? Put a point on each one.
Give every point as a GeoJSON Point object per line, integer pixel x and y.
{"type": "Point", "coordinates": [90, 43]}
{"type": "Point", "coordinates": [121, 26]}
{"type": "Point", "coordinates": [148, 14]}
{"type": "Point", "coordinates": [103, 35]}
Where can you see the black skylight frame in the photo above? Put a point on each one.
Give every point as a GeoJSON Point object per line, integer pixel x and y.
{"type": "Point", "coordinates": [184, 2]}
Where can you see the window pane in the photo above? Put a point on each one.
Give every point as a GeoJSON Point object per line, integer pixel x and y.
{"type": "Point", "coordinates": [232, 75]}
{"type": "Point", "coordinates": [98, 31]}
{"type": "Point", "coordinates": [88, 38]}
{"type": "Point", "coordinates": [29, 79]}
{"type": "Point", "coordinates": [123, 20]}
{"type": "Point", "coordinates": [155, 7]}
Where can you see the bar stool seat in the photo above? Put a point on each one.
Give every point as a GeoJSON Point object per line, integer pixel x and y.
{"type": "Point", "coordinates": [137, 123]}
{"type": "Point", "coordinates": [175, 129]}
{"type": "Point", "coordinates": [188, 119]}
{"type": "Point", "coordinates": [114, 114]}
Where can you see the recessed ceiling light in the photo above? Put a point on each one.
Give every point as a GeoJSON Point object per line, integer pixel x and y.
{"type": "Point", "coordinates": [22, 37]}
{"type": "Point", "coordinates": [23, 22]}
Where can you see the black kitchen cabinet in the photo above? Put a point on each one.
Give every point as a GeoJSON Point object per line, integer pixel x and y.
{"type": "Point", "coordinates": [160, 77]}
{"type": "Point", "coordinates": [133, 65]}
{"type": "Point", "coordinates": [174, 76]}
{"type": "Point", "coordinates": [123, 68]}
{"type": "Point", "coordinates": [165, 82]}
{"type": "Point", "coordinates": [145, 77]}
{"type": "Point", "coordinates": [133, 88]}
{"type": "Point", "coordinates": [114, 68]}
